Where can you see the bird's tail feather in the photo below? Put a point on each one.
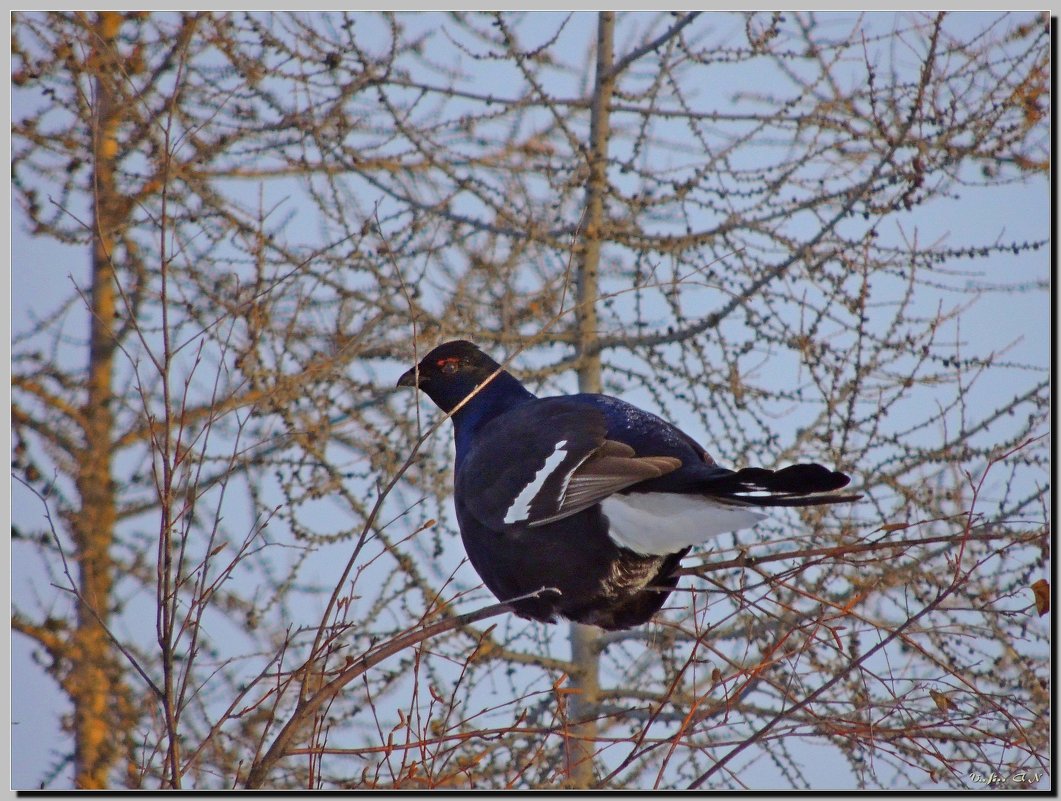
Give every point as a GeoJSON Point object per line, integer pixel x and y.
{"type": "Point", "coordinates": [795, 485]}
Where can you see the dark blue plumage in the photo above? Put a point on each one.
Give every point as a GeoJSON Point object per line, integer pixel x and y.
{"type": "Point", "coordinates": [586, 493]}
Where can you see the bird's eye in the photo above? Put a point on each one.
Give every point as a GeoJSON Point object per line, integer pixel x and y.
{"type": "Point", "coordinates": [448, 366]}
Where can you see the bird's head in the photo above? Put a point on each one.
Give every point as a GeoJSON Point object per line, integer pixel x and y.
{"type": "Point", "coordinates": [450, 372]}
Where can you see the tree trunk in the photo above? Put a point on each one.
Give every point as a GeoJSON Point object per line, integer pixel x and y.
{"type": "Point", "coordinates": [585, 652]}
{"type": "Point", "coordinates": [94, 686]}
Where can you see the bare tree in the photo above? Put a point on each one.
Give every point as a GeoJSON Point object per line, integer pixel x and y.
{"type": "Point", "coordinates": [769, 228]}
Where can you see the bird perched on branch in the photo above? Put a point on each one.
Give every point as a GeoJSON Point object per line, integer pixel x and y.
{"type": "Point", "coordinates": [586, 495]}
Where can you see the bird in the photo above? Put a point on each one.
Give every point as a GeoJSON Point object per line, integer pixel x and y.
{"type": "Point", "coordinates": [582, 506]}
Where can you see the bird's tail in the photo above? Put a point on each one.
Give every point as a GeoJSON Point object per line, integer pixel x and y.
{"type": "Point", "coordinates": [796, 485]}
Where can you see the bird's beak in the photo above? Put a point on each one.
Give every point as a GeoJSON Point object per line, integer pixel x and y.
{"type": "Point", "coordinates": [408, 378]}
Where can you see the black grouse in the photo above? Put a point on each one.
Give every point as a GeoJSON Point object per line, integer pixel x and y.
{"type": "Point", "coordinates": [588, 494]}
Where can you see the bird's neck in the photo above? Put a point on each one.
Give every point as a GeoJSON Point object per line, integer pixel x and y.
{"type": "Point", "coordinates": [497, 397]}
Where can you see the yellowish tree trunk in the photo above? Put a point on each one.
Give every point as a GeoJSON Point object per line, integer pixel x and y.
{"type": "Point", "coordinates": [94, 684]}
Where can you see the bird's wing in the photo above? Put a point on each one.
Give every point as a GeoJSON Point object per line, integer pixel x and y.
{"type": "Point", "coordinates": [546, 460]}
